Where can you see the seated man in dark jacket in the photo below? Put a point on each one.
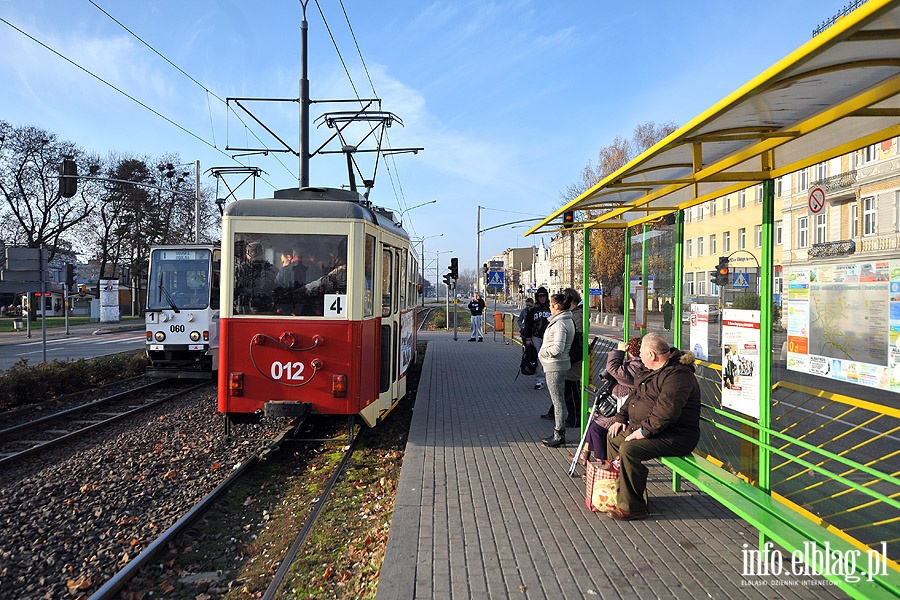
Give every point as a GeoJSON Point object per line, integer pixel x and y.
{"type": "Point", "coordinates": [660, 418]}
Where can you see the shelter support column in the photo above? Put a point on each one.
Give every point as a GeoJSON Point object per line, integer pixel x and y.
{"type": "Point", "coordinates": [584, 409]}
{"type": "Point", "coordinates": [679, 277]}
{"type": "Point", "coordinates": [767, 271]}
{"type": "Point", "coordinates": [626, 280]}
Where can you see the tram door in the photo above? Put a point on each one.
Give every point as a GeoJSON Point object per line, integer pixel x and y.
{"type": "Point", "coordinates": [390, 326]}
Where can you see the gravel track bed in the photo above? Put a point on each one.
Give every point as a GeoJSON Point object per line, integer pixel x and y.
{"type": "Point", "coordinates": [72, 517]}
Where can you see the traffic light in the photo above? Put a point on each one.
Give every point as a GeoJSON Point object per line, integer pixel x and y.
{"type": "Point", "coordinates": [569, 219]}
{"type": "Point", "coordinates": [454, 268]}
{"type": "Point", "coordinates": [70, 276]}
{"type": "Point", "coordinates": [68, 184]}
{"type": "Point", "coordinates": [448, 280]}
{"type": "Point", "coordinates": [722, 272]}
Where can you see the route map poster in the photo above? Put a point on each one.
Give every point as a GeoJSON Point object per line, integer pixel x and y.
{"type": "Point", "coordinates": [843, 322]}
{"type": "Point", "coordinates": [740, 361]}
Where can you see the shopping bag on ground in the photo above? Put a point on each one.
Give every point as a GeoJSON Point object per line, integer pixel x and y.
{"type": "Point", "coordinates": [602, 485]}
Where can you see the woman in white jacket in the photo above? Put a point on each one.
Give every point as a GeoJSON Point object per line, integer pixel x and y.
{"type": "Point", "coordinates": [554, 357]}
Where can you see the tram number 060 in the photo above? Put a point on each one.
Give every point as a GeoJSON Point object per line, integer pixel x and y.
{"type": "Point", "coordinates": [288, 370]}
{"type": "Point", "coordinates": [176, 328]}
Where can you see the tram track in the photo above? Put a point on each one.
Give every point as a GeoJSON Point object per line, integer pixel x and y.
{"type": "Point", "coordinates": [45, 432]}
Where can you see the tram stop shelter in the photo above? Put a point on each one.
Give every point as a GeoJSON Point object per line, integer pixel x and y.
{"type": "Point", "coordinates": [806, 447]}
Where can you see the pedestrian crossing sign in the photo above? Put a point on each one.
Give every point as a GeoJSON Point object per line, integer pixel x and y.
{"type": "Point", "coordinates": [740, 281]}
{"type": "Point", "coordinates": [495, 279]}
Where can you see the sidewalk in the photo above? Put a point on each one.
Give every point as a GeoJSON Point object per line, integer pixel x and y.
{"type": "Point", "coordinates": [483, 510]}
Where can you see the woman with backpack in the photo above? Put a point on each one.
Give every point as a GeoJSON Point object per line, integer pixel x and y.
{"type": "Point", "coordinates": [554, 357]}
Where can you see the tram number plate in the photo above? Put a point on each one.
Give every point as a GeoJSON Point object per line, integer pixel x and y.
{"type": "Point", "coordinates": [335, 305]}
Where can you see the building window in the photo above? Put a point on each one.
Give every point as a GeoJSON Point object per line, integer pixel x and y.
{"type": "Point", "coordinates": [712, 244]}
{"type": "Point", "coordinates": [700, 210]}
{"type": "Point", "coordinates": [778, 229]}
{"type": "Point", "coordinates": [726, 241]}
{"type": "Point", "coordinates": [689, 248]}
{"type": "Point", "coordinates": [712, 208]}
{"type": "Point", "coordinates": [726, 204]}
{"type": "Point", "coordinates": [854, 221]}
{"type": "Point", "coordinates": [779, 186]}
{"type": "Point", "coordinates": [803, 232]}
{"type": "Point", "coordinates": [757, 236]}
{"type": "Point", "coordinates": [742, 198]}
{"type": "Point", "coordinates": [821, 229]}
{"type": "Point", "coordinates": [701, 286]}
{"type": "Point", "coordinates": [802, 179]}
{"type": "Point", "coordinates": [689, 284]}
{"type": "Point", "coordinates": [759, 193]}
{"type": "Point", "coordinates": [742, 238]}
{"type": "Point", "coordinates": [869, 216]}
{"type": "Point", "coordinates": [821, 171]}
{"type": "Point", "coordinates": [869, 154]}
{"type": "Point", "coordinates": [700, 246]}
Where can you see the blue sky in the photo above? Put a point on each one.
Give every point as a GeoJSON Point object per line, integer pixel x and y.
{"type": "Point", "coordinates": [509, 98]}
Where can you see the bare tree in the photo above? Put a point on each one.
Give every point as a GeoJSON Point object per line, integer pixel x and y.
{"type": "Point", "coordinates": [32, 212]}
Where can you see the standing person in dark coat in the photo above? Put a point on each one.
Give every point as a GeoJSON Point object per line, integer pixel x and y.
{"type": "Point", "coordinates": [476, 309]}
{"type": "Point", "coordinates": [660, 418]}
{"type": "Point", "coordinates": [533, 332]}
{"type": "Point", "coordinates": [573, 375]}
{"type": "Point", "coordinates": [667, 310]}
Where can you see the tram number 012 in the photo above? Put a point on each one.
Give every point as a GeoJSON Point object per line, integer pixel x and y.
{"type": "Point", "coordinates": [287, 370]}
{"type": "Point", "coordinates": [176, 328]}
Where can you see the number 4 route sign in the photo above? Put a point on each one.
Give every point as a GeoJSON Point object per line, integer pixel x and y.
{"type": "Point", "coordinates": [495, 279]}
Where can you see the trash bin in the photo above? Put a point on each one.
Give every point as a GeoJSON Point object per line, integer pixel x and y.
{"type": "Point", "coordinates": [17, 324]}
{"type": "Point", "coordinates": [498, 321]}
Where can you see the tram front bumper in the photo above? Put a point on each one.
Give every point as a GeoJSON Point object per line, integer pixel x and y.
{"type": "Point", "coordinates": [287, 409]}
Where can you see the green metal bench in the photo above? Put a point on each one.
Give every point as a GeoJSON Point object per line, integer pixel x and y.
{"type": "Point", "coordinates": [788, 528]}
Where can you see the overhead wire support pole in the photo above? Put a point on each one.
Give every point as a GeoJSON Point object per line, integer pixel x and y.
{"type": "Point", "coordinates": [303, 154]}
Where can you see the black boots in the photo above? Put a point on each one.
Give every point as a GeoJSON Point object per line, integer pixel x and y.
{"type": "Point", "coordinates": [558, 439]}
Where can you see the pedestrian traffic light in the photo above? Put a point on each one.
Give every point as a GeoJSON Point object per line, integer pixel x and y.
{"type": "Point", "coordinates": [569, 219]}
{"type": "Point", "coordinates": [722, 272]}
{"type": "Point", "coordinates": [454, 268]}
{"type": "Point", "coordinates": [68, 182]}
{"type": "Point", "coordinates": [448, 281]}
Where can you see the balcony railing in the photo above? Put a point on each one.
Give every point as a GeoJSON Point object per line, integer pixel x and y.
{"type": "Point", "coordinates": [836, 182]}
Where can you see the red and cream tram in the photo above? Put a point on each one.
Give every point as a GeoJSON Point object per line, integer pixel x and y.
{"type": "Point", "coordinates": [318, 307]}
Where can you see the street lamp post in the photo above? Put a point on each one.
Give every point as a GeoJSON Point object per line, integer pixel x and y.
{"type": "Point", "coordinates": [404, 211]}
{"type": "Point", "coordinates": [422, 258]}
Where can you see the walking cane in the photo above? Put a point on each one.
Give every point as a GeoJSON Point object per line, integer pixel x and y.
{"type": "Point", "coordinates": [601, 392]}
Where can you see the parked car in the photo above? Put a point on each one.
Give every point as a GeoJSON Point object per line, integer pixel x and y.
{"type": "Point", "coordinates": [714, 314]}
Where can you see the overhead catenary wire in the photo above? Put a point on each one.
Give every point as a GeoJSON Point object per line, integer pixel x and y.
{"type": "Point", "coordinates": [208, 91]}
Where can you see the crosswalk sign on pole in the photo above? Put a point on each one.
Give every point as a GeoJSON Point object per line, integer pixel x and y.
{"type": "Point", "coordinates": [740, 281]}
{"type": "Point", "coordinates": [495, 279]}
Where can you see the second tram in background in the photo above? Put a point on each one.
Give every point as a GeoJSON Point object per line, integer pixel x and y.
{"type": "Point", "coordinates": [183, 311]}
{"type": "Point", "coordinates": [319, 293]}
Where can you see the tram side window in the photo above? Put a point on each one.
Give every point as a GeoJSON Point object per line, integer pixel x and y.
{"type": "Point", "coordinates": [288, 274]}
{"type": "Point", "coordinates": [369, 297]}
{"type": "Point", "coordinates": [387, 259]}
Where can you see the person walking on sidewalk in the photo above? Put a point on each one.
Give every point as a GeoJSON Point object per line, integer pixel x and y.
{"type": "Point", "coordinates": [554, 356]}
{"type": "Point", "coordinates": [476, 309]}
{"type": "Point", "coordinates": [660, 418]}
{"type": "Point", "coordinates": [667, 310]}
{"type": "Point", "coordinates": [533, 332]}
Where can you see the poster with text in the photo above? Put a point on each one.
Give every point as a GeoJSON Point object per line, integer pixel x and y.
{"type": "Point", "coordinates": [699, 328]}
{"type": "Point", "coordinates": [843, 322]}
{"type": "Point", "coordinates": [740, 361]}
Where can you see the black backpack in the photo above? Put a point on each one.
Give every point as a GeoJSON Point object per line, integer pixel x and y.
{"type": "Point", "coordinates": [576, 352]}
{"type": "Point", "coordinates": [528, 366]}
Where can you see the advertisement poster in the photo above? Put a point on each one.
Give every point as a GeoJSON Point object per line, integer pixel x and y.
{"type": "Point", "coordinates": [843, 322]}
{"type": "Point", "coordinates": [699, 328]}
{"type": "Point", "coordinates": [740, 361]}
{"type": "Point", "coordinates": [109, 300]}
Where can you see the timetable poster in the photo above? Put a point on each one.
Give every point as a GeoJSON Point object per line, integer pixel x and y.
{"type": "Point", "coordinates": [740, 361]}
{"type": "Point", "coordinates": [843, 322]}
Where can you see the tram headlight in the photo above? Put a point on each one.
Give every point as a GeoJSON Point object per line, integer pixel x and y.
{"type": "Point", "coordinates": [205, 336]}
{"type": "Point", "coordinates": [195, 336]}
{"type": "Point", "coordinates": [339, 386]}
{"type": "Point", "coordinates": [159, 336]}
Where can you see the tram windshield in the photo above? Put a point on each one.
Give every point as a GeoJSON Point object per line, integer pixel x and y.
{"type": "Point", "coordinates": [179, 279]}
{"type": "Point", "coordinates": [290, 274]}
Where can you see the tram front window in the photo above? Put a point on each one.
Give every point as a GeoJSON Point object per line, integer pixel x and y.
{"type": "Point", "coordinates": [289, 274]}
{"type": "Point", "coordinates": [178, 280]}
